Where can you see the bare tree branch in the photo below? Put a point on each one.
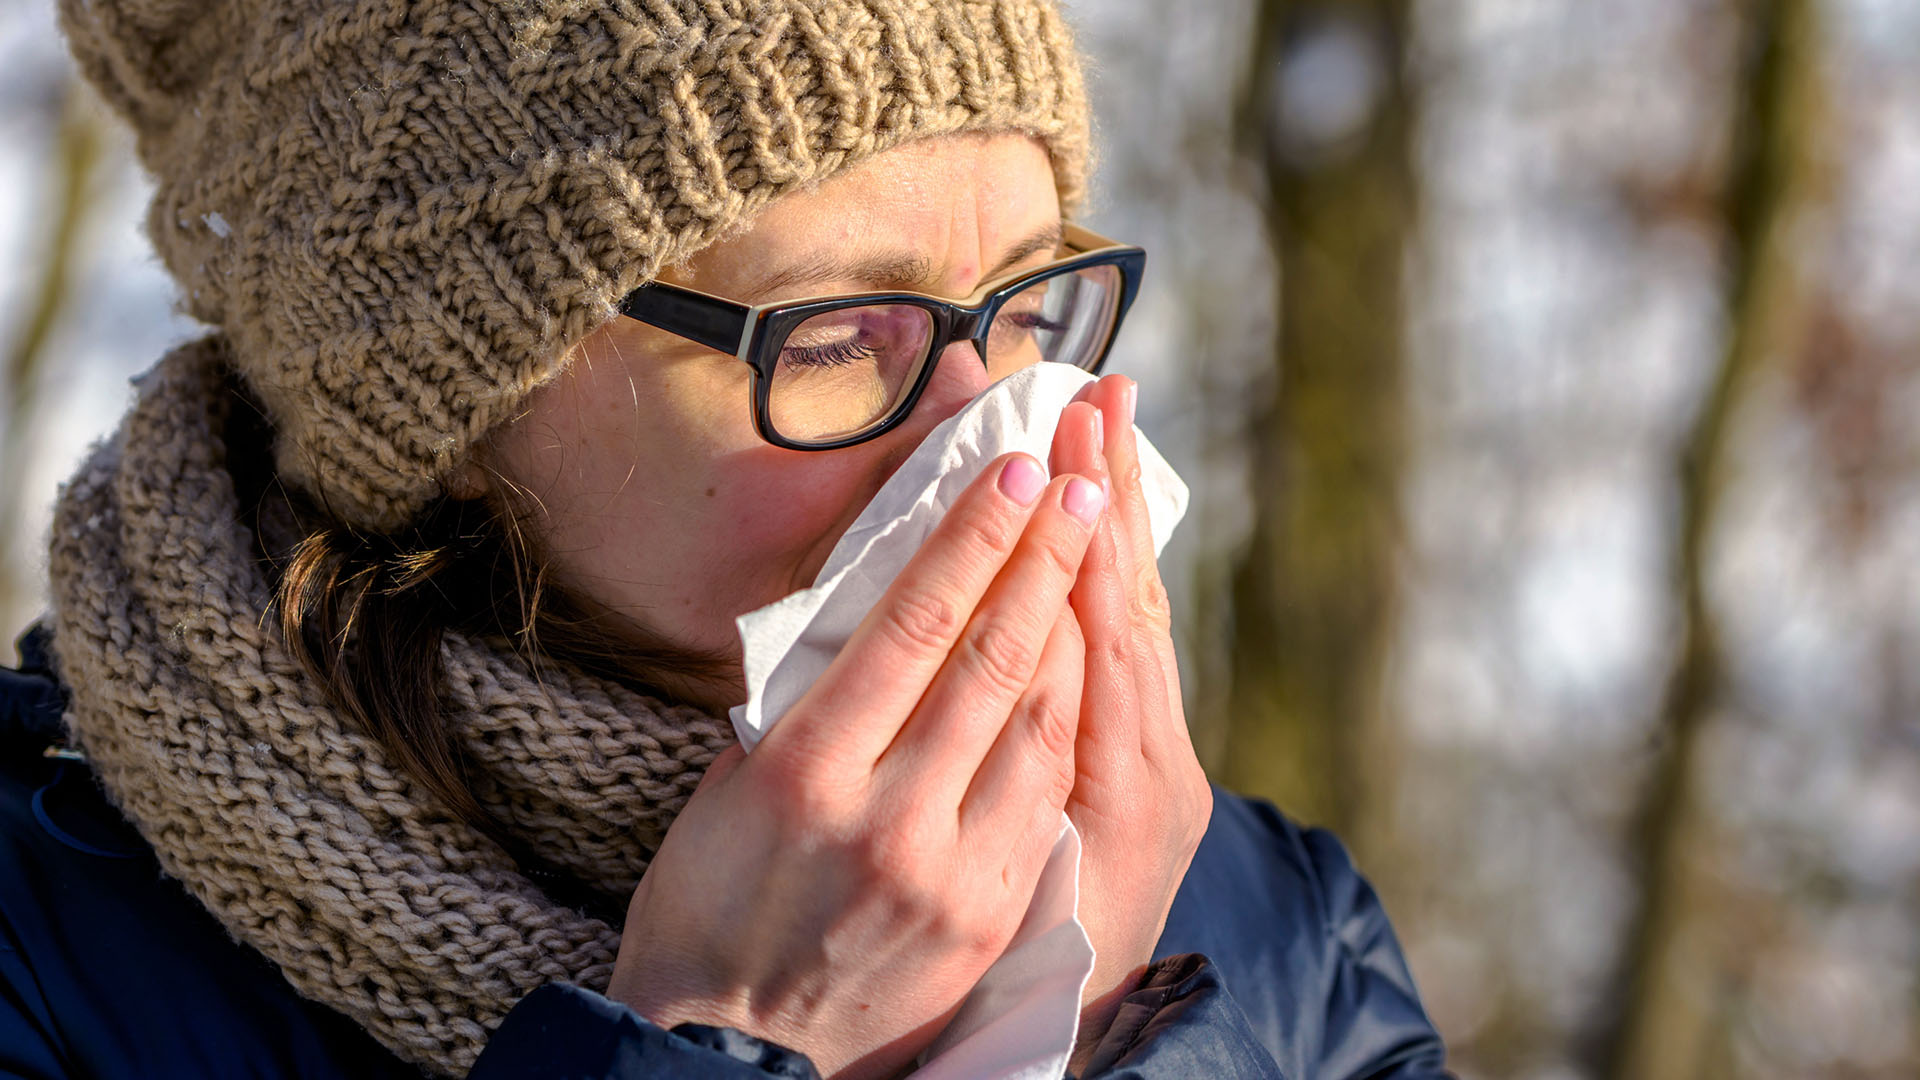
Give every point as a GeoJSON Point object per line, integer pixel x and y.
{"type": "Point", "coordinates": [1669, 979]}
{"type": "Point", "coordinates": [1314, 591]}
{"type": "Point", "coordinates": [75, 161]}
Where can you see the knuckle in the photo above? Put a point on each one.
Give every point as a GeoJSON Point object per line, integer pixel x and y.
{"type": "Point", "coordinates": [983, 530]}
{"type": "Point", "coordinates": [905, 851]}
{"type": "Point", "coordinates": [1061, 553]}
{"type": "Point", "coordinates": [1001, 655]}
{"type": "Point", "coordinates": [1128, 476]}
{"type": "Point", "coordinates": [924, 620]}
{"type": "Point", "coordinates": [984, 941]}
{"type": "Point", "coordinates": [803, 797]}
{"type": "Point", "coordinates": [1150, 602]}
{"type": "Point", "coordinates": [977, 936]}
{"type": "Point", "coordinates": [1052, 719]}
{"type": "Point", "coordinates": [787, 790]}
{"type": "Point", "coordinates": [893, 860]}
{"type": "Point", "coordinates": [912, 904]}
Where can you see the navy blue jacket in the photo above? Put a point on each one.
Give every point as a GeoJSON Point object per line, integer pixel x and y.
{"type": "Point", "coordinates": [1277, 961]}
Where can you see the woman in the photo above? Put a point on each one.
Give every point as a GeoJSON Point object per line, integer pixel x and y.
{"type": "Point", "coordinates": [394, 627]}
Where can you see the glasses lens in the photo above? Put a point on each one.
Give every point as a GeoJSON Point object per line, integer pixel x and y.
{"type": "Point", "coordinates": [843, 371]}
{"type": "Point", "coordinates": [1066, 318]}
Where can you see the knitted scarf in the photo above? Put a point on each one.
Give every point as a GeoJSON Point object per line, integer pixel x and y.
{"type": "Point", "coordinates": [290, 824]}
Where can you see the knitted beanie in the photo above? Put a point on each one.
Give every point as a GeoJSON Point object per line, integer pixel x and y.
{"type": "Point", "coordinates": [404, 213]}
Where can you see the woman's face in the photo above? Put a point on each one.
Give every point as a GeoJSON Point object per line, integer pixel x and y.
{"type": "Point", "coordinates": [650, 491]}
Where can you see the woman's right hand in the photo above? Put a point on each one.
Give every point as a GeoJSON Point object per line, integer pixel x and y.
{"type": "Point", "coordinates": [841, 890]}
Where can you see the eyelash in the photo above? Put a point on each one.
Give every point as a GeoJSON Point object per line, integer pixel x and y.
{"type": "Point", "coordinates": [834, 355]}
{"type": "Point", "coordinates": [1034, 321]}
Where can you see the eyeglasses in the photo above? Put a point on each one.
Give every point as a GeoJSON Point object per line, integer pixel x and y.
{"type": "Point", "coordinates": [831, 372]}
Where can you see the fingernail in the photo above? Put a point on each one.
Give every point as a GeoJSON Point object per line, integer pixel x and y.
{"type": "Point", "coordinates": [1099, 432]}
{"type": "Point", "coordinates": [1083, 499]}
{"type": "Point", "coordinates": [1132, 398]}
{"type": "Point", "coordinates": [1022, 479]}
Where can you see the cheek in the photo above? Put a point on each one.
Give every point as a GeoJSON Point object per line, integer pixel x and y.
{"type": "Point", "coordinates": [743, 518]}
{"type": "Point", "coordinates": [783, 511]}
{"type": "Point", "coordinates": [662, 503]}
{"type": "Point", "coordinates": [759, 520]}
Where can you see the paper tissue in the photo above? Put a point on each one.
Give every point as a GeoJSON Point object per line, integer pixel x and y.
{"type": "Point", "coordinates": [1019, 1020]}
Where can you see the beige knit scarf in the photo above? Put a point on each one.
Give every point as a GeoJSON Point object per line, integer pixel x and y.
{"type": "Point", "coordinates": [293, 827]}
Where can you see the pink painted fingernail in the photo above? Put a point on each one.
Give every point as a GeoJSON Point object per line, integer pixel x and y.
{"type": "Point", "coordinates": [1021, 479]}
{"type": "Point", "coordinates": [1132, 398]}
{"type": "Point", "coordinates": [1083, 499]}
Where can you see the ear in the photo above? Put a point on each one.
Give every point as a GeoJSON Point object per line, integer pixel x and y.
{"type": "Point", "coordinates": [468, 481]}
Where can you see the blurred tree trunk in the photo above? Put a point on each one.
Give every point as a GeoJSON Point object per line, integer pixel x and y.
{"type": "Point", "coordinates": [1674, 976]}
{"type": "Point", "coordinates": [72, 165]}
{"type": "Point", "coordinates": [1313, 592]}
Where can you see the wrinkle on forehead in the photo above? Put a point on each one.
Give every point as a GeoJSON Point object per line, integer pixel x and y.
{"type": "Point", "coordinates": [955, 203]}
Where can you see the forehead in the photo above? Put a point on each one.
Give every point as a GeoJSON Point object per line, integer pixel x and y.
{"type": "Point", "coordinates": [955, 201]}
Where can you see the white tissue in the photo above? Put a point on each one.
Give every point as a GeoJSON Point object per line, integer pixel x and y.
{"type": "Point", "coordinates": [1019, 1021]}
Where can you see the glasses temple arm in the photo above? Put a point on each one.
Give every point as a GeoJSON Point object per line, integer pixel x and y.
{"type": "Point", "coordinates": [718, 324]}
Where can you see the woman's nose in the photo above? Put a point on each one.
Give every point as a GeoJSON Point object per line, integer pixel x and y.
{"type": "Point", "coordinates": [959, 375]}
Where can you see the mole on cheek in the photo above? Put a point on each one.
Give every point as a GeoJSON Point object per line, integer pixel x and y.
{"type": "Point", "coordinates": [710, 492]}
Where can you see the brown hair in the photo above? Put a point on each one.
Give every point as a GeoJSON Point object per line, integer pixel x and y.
{"type": "Point", "coordinates": [366, 614]}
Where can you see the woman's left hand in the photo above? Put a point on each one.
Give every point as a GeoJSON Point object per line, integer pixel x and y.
{"type": "Point", "coordinates": [1140, 799]}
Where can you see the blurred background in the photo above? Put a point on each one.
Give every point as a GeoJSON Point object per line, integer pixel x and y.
{"type": "Point", "coordinates": [1547, 373]}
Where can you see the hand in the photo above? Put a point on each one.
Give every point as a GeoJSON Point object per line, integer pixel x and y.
{"type": "Point", "coordinates": [1140, 799]}
{"type": "Point", "coordinates": [840, 890]}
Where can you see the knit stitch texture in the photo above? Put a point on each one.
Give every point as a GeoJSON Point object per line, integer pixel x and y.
{"type": "Point", "coordinates": [404, 213]}
{"type": "Point", "coordinates": [288, 822]}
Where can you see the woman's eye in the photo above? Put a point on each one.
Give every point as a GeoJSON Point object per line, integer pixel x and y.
{"type": "Point", "coordinates": [1031, 320]}
{"type": "Point", "coordinates": [1019, 325]}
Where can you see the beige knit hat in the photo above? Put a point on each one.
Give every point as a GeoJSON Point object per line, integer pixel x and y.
{"type": "Point", "coordinates": [405, 212]}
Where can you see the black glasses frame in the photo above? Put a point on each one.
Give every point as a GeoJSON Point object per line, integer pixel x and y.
{"type": "Point", "coordinates": [756, 333]}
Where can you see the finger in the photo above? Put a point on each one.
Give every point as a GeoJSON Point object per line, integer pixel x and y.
{"type": "Point", "coordinates": [1151, 613]}
{"type": "Point", "coordinates": [1099, 598]}
{"type": "Point", "coordinates": [853, 712]}
{"type": "Point", "coordinates": [993, 663]}
{"type": "Point", "coordinates": [1077, 441]}
{"type": "Point", "coordinates": [1031, 762]}
{"type": "Point", "coordinates": [1112, 694]}
{"type": "Point", "coordinates": [1116, 396]}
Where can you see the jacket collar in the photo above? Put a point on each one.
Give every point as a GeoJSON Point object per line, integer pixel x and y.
{"type": "Point", "coordinates": [31, 698]}
{"type": "Point", "coordinates": [65, 801]}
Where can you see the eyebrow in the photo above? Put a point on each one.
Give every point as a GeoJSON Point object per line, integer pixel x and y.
{"type": "Point", "coordinates": [892, 270]}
